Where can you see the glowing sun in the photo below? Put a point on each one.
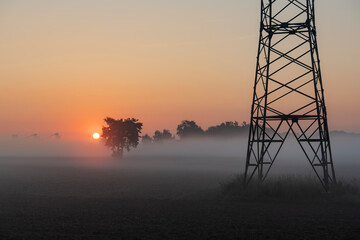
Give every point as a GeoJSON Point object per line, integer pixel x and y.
{"type": "Point", "coordinates": [96, 136]}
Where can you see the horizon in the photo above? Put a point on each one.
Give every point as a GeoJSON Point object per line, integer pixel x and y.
{"type": "Point", "coordinates": [68, 137]}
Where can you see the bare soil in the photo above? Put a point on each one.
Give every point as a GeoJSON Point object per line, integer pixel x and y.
{"type": "Point", "coordinates": [88, 199]}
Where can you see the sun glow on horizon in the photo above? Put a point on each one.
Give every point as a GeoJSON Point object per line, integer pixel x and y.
{"type": "Point", "coordinates": [96, 136]}
{"type": "Point", "coordinates": [115, 66]}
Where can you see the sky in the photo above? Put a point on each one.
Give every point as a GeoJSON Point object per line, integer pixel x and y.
{"type": "Point", "coordinates": [66, 65]}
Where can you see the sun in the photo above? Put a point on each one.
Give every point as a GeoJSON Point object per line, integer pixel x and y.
{"type": "Point", "coordinates": [96, 136]}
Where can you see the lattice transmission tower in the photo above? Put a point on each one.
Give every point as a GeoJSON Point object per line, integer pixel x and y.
{"type": "Point", "coordinates": [288, 92]}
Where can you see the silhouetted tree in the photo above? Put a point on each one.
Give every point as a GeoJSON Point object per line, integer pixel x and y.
{"type": "Point", "coordinates": [227, 129]}
{"type": "Point", "coordinates": [55, 135]}
{"type": "Point", "coordinates": [146, 139]}
{"type": "Point", "coordinates": [165, 135]}
{"type": "Point", "coordinates": [121, 134]}
{"type": "Point", "coordinates": [34, 135]}
{"type": "Point", "coordinates": [189, 129]}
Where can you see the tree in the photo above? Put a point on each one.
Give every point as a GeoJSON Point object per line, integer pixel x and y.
{"type": "Point", "coordinates": [189, 129]}
{"type": "Point", "coordinates": [227, 129]}
{"type": "Point", "coordinates": [165, 135]}
{"type": "Point", "coordinates": [120, 134]}
{"type": "Point", "coordinates": [146, 139]}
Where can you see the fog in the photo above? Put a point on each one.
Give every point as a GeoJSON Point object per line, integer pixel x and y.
{"type": "Point", "coordinates": [185, 154]}
{"type": "Point", "coordinates": [172, 169]}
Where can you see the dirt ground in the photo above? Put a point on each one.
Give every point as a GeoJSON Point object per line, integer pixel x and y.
{"type": "Point", "coordinates": [84, 199]}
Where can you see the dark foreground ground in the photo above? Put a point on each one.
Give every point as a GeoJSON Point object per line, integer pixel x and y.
{"type": "Point", "coordinates": [157, 199]}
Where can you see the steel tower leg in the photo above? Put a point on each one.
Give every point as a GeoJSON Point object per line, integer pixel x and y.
{"type": "Point", "coordinates": [288, 93]}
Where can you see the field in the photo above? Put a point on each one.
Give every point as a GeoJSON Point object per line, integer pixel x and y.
{"type": "Point", "coordinates": [155, 198]}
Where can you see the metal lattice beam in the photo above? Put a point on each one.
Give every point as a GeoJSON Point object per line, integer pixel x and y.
{"type": "Point", "coordinates": [288, 92]}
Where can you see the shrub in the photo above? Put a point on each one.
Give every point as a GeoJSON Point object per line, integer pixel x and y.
{"type": "Point", "coordinates": [288, 187]}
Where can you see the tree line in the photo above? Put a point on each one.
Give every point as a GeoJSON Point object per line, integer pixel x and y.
{"type": "Point", "coordinates": [190, 129]}
{"type": "Point", "coordinates": [124, 134]}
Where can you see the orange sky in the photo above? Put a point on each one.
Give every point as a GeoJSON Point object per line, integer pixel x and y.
{"type": "Point", "coordinates": [65, 65]}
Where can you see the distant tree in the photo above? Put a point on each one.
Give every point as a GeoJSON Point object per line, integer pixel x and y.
{"type": "Point", "coordinates": [120, 134]}
{"type": "Point", "coordinates": [146, 139]}
{"type": "Point", "coordinates": [55, 135]}
{"type": "Point", "coordinates": [157, 136]}
{"type": "Point", "coordinates": [189, 129]}
{"type": "Point", "coordinates": [227, 129]}
{"type": "Point", "coordinates": [34, 135]}
{"type": "Point", "coordinates": [165, 135]}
